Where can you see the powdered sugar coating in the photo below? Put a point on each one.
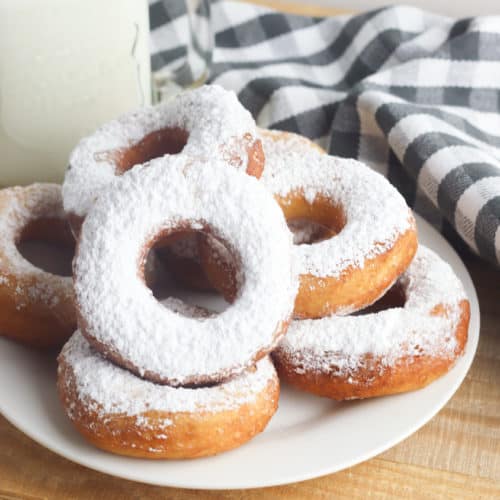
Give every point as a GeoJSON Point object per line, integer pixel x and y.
{"type": "Point", "coordinates": [187, 247]}
{"type": "Point", "coordinates": [107, 389]}
{"type": "Point", "coordinates": [279, 144]}
{"type": "Point", "coordinates": [178, 306]}
{"type": "Point", "coordinates": [340, 343]}
{"type": "Point", "coordinates": [213, 117]}
{"type": "Point", "coordinates": [275, 143]}
{"type": "Point", "coordinates": [306, 232]}
{"type": "Point", "coordinates": [120, 312]}
{"type": "Point", "coordinates": [376, 214]}
{"type": "Point", "coordinates": [18, 207]}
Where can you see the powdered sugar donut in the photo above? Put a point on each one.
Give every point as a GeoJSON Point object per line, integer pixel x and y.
{"type": "Point", "coordinates": [374, 232]}
{"type": "Point", "coordinates": [121, 413]}
{"type": "Point", "coordinates": [395, 350]}
{"type": "Point", "coordinates": [36, 306]}
{"type": "Point", "coordinates": [117, 312]}
{"type": "Point", "coordinates": [376, 236]}
{"type": "Point", "coordinates": [208, 121]}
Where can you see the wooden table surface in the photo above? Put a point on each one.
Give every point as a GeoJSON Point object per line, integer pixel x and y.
{"type": "Point", "coordinates": [456, 455]}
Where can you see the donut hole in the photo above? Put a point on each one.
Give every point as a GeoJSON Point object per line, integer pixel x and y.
{"type": "Point", "coordinates": [48, 244]}
{"type": "Point", "coordinates": [220, 266]}
{"type": "Point", "coordinates": [172, 270]}
{"type": "Point", "coordinates": [312, 222]}
{"type": "Point", "coordinates": [394, 297]}
{"type": "Point", "coordinates": [170, 140]}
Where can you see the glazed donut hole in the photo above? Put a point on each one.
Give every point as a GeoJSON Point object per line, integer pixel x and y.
{"type": "Point", "coordinates": [182, 277]}
{"type": "Point", "coordinates": [169, 140]}
{"type": "Point", "coordinates": [311, 222]}
{"type": "Point", "coordinates": [48, 244]}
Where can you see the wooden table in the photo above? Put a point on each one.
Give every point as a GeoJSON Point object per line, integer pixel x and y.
{"type": "Point", "coordinates": [456, 455]}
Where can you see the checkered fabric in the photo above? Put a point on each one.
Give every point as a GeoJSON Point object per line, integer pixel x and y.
{"type": "Point", "coordinates": [414, 95]}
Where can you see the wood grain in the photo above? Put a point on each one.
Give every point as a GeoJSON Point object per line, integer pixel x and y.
{"type": "Point", "coordinates": [456, 455]}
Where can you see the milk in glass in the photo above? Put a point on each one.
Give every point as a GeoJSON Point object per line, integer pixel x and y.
{"type": "Point", "coordinates": [66, 66]}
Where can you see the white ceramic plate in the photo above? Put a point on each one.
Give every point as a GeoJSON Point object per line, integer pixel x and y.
{"type": "Point", "coordinates": [308, 437]}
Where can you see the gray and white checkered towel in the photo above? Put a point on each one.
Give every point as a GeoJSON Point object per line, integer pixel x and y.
{"type": "Point", "coordinates": [414, 95]}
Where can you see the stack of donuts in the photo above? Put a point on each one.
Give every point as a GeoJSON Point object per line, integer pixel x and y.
{"type": "Point", "coordinates": [316, 256]}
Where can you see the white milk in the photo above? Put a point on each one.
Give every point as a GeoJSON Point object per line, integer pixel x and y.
{"type": "Point", "coordinates": [66, 66]}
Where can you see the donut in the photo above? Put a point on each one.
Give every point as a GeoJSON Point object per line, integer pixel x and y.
{"type": "Point", "coordinates": [371, 240]}
{"type": "Point", "coordinates": [208, 121]}
{"type": "Point", "coordinates": [118, 314]}
{"type": "Point", "coordinates": [413, 341]}
{"type": "Point", "coordinates": [124, 414]}
{"type": "Point", "coordinates": [36, 306]}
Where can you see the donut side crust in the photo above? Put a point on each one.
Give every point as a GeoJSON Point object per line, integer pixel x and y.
{"type": "Point", "coordinates": [168, 435]}
{"type": "Point", "coordinates": [356, 288]}
{"type": "Point", "coordinates": [30, 324]}
{"type": "Point", "coordinates": [374, 378]}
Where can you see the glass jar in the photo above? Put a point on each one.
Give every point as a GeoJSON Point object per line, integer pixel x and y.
{"type": "Point", "coordinates": [66, 66]}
